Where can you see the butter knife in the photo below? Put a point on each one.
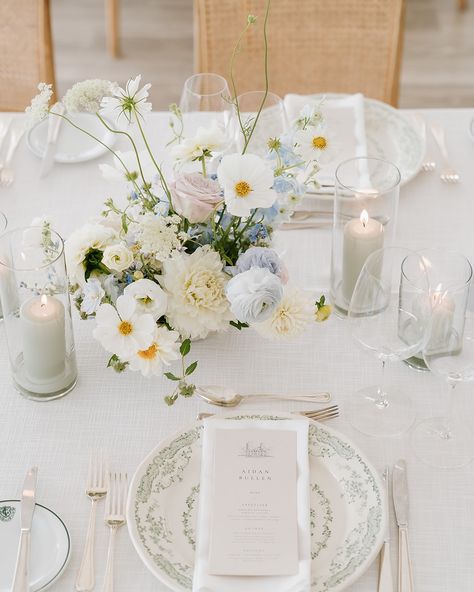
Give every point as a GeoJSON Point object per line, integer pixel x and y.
{"type": "Point", "coordinates": [385, 583]}
{"type": "Point", "coordinates": [21, 581]}
{"type": "Point", "coordinates": [54, 123]}
{"type": "Point", "coordinates": [400, 501]}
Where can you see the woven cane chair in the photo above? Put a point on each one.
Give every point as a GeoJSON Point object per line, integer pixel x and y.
{"type": "Point", "coordinates": [26, 53]}
{"type": "Point", "coordinates": [314, 45]}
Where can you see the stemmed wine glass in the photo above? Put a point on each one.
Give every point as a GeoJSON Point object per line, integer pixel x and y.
{"type": "Point", "coordinates": [449, 353]}
{"type": "Point", "coordinates": [386, 323]}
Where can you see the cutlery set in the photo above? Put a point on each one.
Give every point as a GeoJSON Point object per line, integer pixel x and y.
{"type": "Point", "coordinates": [449, 174]}
{"type": "Point", "coordinates": [318, 415]}
{"type": "Point", "coordinates": [114, 488]}
{"type": "Point", "coordinates": [225, 397]}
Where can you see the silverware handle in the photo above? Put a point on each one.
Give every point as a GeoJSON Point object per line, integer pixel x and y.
{"type": "Point", "coordinates": [85, 576]}
{"type": "Point", "coordinates": [315, 398]}
{"type": "Point", "coordinates": [304, 225]}
{"type": "Point", "coordinates": [16, 136]}
{"type": "Point", "coordinates": [385, 583]}
{"type": "Point", "coordinates": [405, 575]}
{"type": "Point", "coordinates": [109, 569]}
{"type": "Point", "coordinates": [440, 138]}
{"type": "Point", "coordinates": [21, 580]}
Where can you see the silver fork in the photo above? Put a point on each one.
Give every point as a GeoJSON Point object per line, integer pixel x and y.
{"type": "Point", "coordinates": [96, 489]}
{"type": "Point", "coordinates": [449, 174]}
{"type": "Point", "coordinates": [318, 415]}
{"type": "Point", "coordinates": [114, 518]}
{"type": "Point", "coordinates": [7, 175]}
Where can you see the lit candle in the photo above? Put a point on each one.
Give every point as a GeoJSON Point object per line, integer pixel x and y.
{"type": "Point", "coordinates": [43, 338]}
{"type": "Point", "coordinates": [362, 236]}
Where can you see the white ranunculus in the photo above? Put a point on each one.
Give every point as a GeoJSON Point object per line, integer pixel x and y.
{"type": "Point", "coordinates": [290, 317]}
{"type": "Point", "coordinates": [195, 284]}
{"type": "Point", "coordinates": [117, 257]}
{"type": "Point", "coordinates": [163, 350]}
{"type": "Point", "coordinates": [83, 240]}
{"type": "Point", "coordinates": [247, 182]}
{"type": "Point", "coordinates": [123, 331]}
{"type": "Point", "coordinates": [149, 297]}
{"type": "Point", "coordinates": [254, 294]}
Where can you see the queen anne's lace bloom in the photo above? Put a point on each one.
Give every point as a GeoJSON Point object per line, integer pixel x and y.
{"type": "Point", "coordinates": [159, 236]}
{"type": "Point", "coordinates": [87, 95]}
{"type": "Point", "coordinates": [38, 109]}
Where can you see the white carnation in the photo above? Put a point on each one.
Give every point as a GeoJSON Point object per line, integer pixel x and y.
{"type": "Point", "coordinates": [290, 317]}
{"type": "Point", "coordinates": [117, 257]}
{"type": "Point", "coordinates": [87, 95]}
{"type": "Point", "coordinates": [195, 284]}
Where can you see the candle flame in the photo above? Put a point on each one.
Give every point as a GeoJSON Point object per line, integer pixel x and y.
{"type": "Point", "coordinates": [364, 217]}
{"type": "Point", "coordinates": [44, 300]}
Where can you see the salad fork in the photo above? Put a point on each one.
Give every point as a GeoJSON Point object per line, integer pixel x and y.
{"type": "Point", "coordinates": [449, 174]}
{"type": "Point", "coordinates": [114, 518]}
{"type": "Point", "coordinates": [96, 489]}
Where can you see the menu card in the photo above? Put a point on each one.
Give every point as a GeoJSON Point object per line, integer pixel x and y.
{"type": "Point", "coordinates": [253, 529]}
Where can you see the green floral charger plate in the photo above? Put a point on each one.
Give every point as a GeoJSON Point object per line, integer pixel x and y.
{"type": "Point", "coordinates": [348, 507]}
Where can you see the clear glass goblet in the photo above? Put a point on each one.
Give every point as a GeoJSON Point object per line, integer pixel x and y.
{"type": "Point", "coordinates": [385, 322]}
{"type": "Point", "coordinates": [449, 353]}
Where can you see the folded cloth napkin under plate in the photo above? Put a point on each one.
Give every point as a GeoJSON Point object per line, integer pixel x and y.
{"type": "Point", "coordinates": [203, 581]}
{"type": "Point", "coordinates": [345, 126]}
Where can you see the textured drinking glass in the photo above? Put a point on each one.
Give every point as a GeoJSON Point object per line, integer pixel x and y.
{"type": "Point", "coordinates": [365, 216]}
{"type": "Point", "coordinates": [449, 353]}
{"type": "Point", "coordinates": [272, 121]}
{"type": "Point", "coordinates": [35, 297]}
{"type": "Point", "coordinates": [3, 227]}
{"type": "Point", "coordinates": [384, 323]}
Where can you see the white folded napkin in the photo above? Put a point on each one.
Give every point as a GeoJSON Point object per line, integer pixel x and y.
{"type": "Point", "coordinates": [300, 582]}
{"type": "Point", "coordinates": [345, 124]}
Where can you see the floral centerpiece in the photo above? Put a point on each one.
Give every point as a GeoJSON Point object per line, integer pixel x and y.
{"type": "Point", "coordinates": [188, 254]}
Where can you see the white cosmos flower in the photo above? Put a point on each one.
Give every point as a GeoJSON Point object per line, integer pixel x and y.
{"type": "Point", "coordinates": [195, 285]}
{"type": "Point", "coordinates": [204, 143]}
{"type": "Point", "coordinates": [117, 257]}
{"type": "Point", "coordinates": [86, 96]}
{"type": "Point", "coordinates": [314, 143]}
{"type": "Point", "coordinates": [38, 109]}
{"type": "Point", "coordinates": [123, 331]}
{"type": "Point", "coordinates": [247, 182]}
{"type": "Point", "coordinates": [116, 172]}
{"type": "Point", "coordinates": [163, 350]}
{"type": "Point", "coordinates": [290, 317]}
{"type": "Point", "coordinates": [149, 297]}
{"type": "Point", "coordinates": [127, 101]}
{"type": "Point", "coordinates": [88, 237]}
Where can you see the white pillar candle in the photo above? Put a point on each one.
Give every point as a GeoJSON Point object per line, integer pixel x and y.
{"type": "Point", "coordinates": [43, 337]}
{"type": "Point", "coordinates": [362, 236]}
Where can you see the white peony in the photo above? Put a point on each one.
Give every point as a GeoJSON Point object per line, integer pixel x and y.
{"type": "Point", "coordinates": [149, 297]}
{"type": "Point", "coordinates": [254, 294]}
{"type": "Point", "coordinates": [117, 257]}
{"type": "Point", "coordinates": [162, 351]}
{"type": "Point", "coordinates": [203, 144]}
{"type": "Point", "coordinates": [290, 318]}
{"type": "Point", "coordinates": [122, 330]}
{"type": "Point", "coordinates": [195, 284]}
{"type": "Point", "coordinates": [247, 182]}
{"type": "Point", "coordinates": [78, 245]}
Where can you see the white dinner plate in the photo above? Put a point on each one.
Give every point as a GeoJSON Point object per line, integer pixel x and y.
{"type": "Point", "coordinates": [390, 135]}
{"type": "Point", "coordinates": [348, 507]}
{"type": "Point", "coordinates": [73, 145]}
{"type": "Point", "coordinates": [50, 545]}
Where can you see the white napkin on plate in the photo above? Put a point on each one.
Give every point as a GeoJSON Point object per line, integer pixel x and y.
{"type": "Point", "coordinates": [300, 582]}
{"type": "Point", "coordinates": [345, 125]}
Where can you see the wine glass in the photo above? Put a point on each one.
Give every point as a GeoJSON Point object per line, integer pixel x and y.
{"type": "Point", "coordinates": [3, 227]}
{"type": "Point", "coordinates": [272, 121]}
{"type": "Point", "coordinates": [385, 322]}
{"type": "Point", "coordinates": [449, 353]}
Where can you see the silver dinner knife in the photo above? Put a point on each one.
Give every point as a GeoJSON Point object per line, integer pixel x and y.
{"type": "Point", "coordinates": [21, 578]}
{"type": "Point", "coordinates": [54, 123]}
{"type": "Point", "coordinates": [385, 583]}
{"type": "Point", "coordinates": [400, 501]}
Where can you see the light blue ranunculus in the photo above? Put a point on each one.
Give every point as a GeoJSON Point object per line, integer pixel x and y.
{"type": "Point", "coordinates": [254, 294]}
{"type": "Point", "coordinates": [259, 257]}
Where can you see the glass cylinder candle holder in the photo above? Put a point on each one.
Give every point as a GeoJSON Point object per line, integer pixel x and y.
{"type": "Point", "coordinates": [34, 291]}
{"type": "Point", "coordinates": [3, 227]}
{"type": "Point", "coordinates": [365, 217]}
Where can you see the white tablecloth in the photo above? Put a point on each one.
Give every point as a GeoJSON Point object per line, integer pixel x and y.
{"type": "Point", "coordinates": [125, 416]}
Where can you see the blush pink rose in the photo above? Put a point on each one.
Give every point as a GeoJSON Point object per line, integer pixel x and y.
{"type": "Point", "coordinates": [194, 197]}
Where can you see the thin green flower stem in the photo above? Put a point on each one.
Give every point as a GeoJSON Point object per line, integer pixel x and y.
{"type": "Point", "coordinates": [249, 136]}
{"type": "Point", "coordinates": [203, 162]}
{"type": "Point", "coordinates": [221, 215]}
{"type": "Point", "coordinates": [100, 142]}
{"type": "Point", "coordinates": [123, 133]}
{"type": "Point", "coordinates": [247, 224]}
{"type": "Point", "coordinates": [158, 168]}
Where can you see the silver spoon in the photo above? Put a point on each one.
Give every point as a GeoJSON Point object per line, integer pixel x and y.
{"type": "Point", "coordinates": [225, 397]}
